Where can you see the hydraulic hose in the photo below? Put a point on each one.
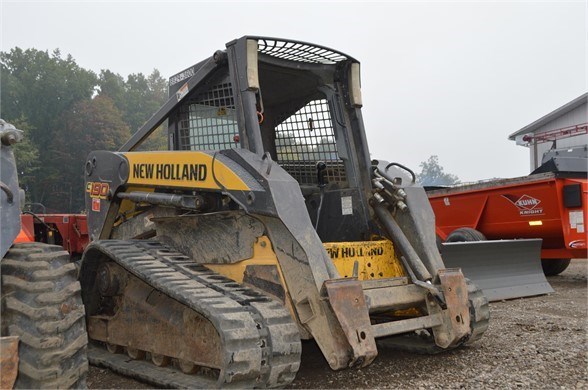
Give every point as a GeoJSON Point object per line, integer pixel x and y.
{"type": "Point", "coordinates": [318, 212]}
{"type": "Point", "coordinates": [401, 242]}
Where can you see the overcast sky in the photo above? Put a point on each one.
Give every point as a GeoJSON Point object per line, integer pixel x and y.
{"type": "Point", "coordinates": [452, 79]}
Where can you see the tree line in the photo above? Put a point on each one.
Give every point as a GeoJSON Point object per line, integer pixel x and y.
{"type": "Point", "coordinates": [432, 174]}
{"type": "Point", "coordinates": [67, 111]}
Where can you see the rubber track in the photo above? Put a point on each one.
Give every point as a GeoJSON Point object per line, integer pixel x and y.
{"type": "Point", "coordinates": [479, 312]}
{"type": "Point", "coordinates": [262, 343]}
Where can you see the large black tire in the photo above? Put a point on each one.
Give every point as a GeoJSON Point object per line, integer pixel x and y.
{"type": "Point", "coordinates": [42, 304]}
{"type": "Point", "coordinates": [465, 234]}
{"type": "Point", "coordinates": [552, 267]}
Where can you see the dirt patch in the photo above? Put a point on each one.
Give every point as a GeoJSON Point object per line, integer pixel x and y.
{"type": "Point", "coordinates": [536, 342]}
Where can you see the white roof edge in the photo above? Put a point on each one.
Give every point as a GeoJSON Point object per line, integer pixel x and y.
{"type": "Point", "coordinates": [552, 115]}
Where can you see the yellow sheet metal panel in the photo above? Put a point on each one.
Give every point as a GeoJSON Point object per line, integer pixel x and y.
{"type": "Point", "coordinates": [182, 169]}
{"type": "Point", "coordinates": [375, 259]}
{"type": "Point", "coordinates": [263, 254]}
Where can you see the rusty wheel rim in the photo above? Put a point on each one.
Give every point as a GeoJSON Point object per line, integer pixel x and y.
{"type": "Point", "coordinates": [187, 367]}
{"type": "Point", "coordinates": [135, 353]}
{"type": "Point", "coordinates": [160, 360]}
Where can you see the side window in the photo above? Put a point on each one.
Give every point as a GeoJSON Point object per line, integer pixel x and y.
{"type": "Point", "coordinates": [305, 138]}
{"type": "Point", "coordinates": [208, 121]}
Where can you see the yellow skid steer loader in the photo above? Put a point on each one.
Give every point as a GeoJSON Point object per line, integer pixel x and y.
{"type": "Point", "coordinates": [266, 222]}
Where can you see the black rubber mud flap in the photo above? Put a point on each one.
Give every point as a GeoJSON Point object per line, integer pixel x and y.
{"type": "Point", "coordinates": [503, 269]}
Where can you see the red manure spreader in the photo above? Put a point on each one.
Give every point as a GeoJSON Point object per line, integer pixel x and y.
{"type": "Point", "coordinates": [551, 204]}
{"type": "Point", "coordinates": [69, 231]}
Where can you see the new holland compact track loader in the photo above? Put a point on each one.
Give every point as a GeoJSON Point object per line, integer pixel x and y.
{"type": "Point", "coordinates": [265, 223]}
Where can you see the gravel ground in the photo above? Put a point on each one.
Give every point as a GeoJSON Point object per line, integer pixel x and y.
{"type": "Point", "coordinates": [532, 343]}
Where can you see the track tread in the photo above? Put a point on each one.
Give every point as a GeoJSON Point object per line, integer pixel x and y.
{"type": "Point", "coordinates": [62, 325]}
{"type": "Point", "coordinates": [65, 353]}
{"type": "Point", "coordinates": [38, 342]}
{"type": "Point", "coordinates": [59, 296]}
{"type": "Point", "coordinates": [34, 313]}
{"type": "Point", "coordinates": [8, 263]}
{"type": "Point", "coordinates": [13, 281]}
{"type": "Point", "coordinates": [42, 305]}
{"type": "Point", "coordinates": [262, 343]}
{"type": "Point", "coordinates": [479, 312]}
{"type": "Point", "coordinates": [55, 273]}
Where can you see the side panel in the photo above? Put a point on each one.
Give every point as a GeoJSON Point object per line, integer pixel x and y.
{"type": "Point", "coordinates": [527, 210]}
{"type": "Point", "coordinates": [185, 169]}
{"type": "Point", "coordinates": [68, 230]}
{"type": "Point", "coordinates": [574, 214]}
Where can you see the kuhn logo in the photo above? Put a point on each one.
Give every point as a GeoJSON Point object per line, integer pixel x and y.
{"type": "Point", "coordinates": [526, 204]}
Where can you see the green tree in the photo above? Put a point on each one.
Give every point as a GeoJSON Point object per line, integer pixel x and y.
{"type": "Point", "coordinates": [432, 174]}
{"type": "Point", "coordinates": [95, 124]}
{"type": "Point", "coordinates": [113, 85]}
{"type": "Point", "coordinates": [40, 87]}
{"type": "Point", "coordinates": [26, 154]}
{"type": "Point", "coordinates": [138, 98]}
{"type": "Point", "coordinates": [158, 95]}
{"type": "Point", "coordinates": [67, 111]}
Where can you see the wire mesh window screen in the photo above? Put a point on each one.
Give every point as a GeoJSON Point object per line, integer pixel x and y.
{"type": "Point", "coordinates": [297, 51]}
{"type": "Point", "coordinates": [305, 138]}
{"type": "Point", "coordinates": [209, 121]}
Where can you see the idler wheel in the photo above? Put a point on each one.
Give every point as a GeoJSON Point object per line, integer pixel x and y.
{"type": "Point", "coordinates": [113, 348]}
{"type": "Point", "coordinates": [187, 367]}
{"type": "Point", "coordinates": [135, 353]}
{"type": "Point", "coordinates": [160, 360]}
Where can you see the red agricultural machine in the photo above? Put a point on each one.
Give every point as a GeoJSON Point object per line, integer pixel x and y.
{"type": "Point", "coordinates": [69, 231]}
{"type": "Point", "coordinates": [550, 204]}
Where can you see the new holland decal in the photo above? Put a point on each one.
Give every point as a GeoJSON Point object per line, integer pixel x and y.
{"type": "Point", "coordinates": [182, 169]}
{"type": "Point", "coordinates": [527, 205]}
{"type": "Point", "coordinates": [192, 172]}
